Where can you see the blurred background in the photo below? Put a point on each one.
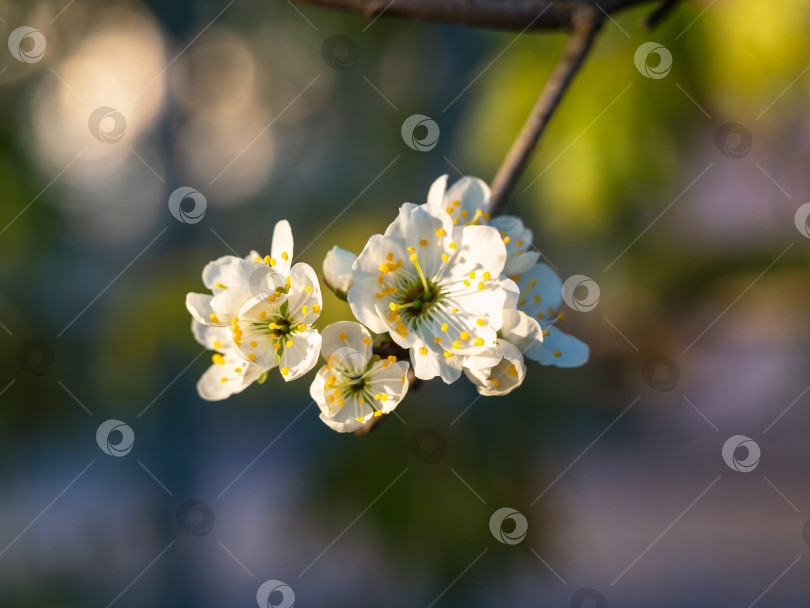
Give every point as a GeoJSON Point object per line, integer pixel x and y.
{"type": "Point", "coordinates": [678, 195]}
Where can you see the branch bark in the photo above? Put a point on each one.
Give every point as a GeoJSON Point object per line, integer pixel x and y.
{"type": "Point", "coordinates": [498, 14]}
{"type": "Point", "coordinates": [586, 25]}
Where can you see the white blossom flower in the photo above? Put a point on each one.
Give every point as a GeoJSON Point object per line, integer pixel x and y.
{"type": "Point", "coordinates": [337, 270]}
{"type": "Point", "coordinates": [269, 306]}
{"type": "Point", "coordinates": [436, 287]}
{"type": "Point", "coordinates": [468, 202]}
{"type": "Point", "coordinates": [355, 385]}
{"type": "Point", "coordinates": [501, 368]}
{"type": "Point", "coordinates": [230, 373]}
{"type": "Point", "coordinates": [540, 298]}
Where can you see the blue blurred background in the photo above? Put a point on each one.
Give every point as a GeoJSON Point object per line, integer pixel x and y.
{"type": "Point", "coordinates": [687, 224]}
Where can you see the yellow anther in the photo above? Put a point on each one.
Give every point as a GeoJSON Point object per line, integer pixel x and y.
{"type": "Point", "coordinates": [410, 249]}
{"type": "Point", "coordinates": [540, 315]}
{"type": "Point", "coordinates": [238, 370]}
{"type": "Point", "coordinates": [262, 314]}
{"type": "Point", "coordinates": [452, 245]}
{"type": "Point", "coordinates": [217, 344]}
{"type": "Point", "coordinates": [536, 298]}
{"type": "Point", "coordinates": [496, 382]}
{"type": "Point", "coordinates": [284, 256]}
{"type": "Point", "coordinates": [440, 232]}
{"type": "Point", "coordinates": [479, 341]}
{"type": "Point", "coordinates": [235, 320]}
{"type": "Point", "coordinates": [513, 370]}
{"type": "Point", "coordinates": [254, 344]}
{"type": "Point", "coordinates": [267, 259]}
{"type": "Point", "coordinates": [366, 340]}
{"type": "Point", "coordinates": [277, 345]}
{"type": "Point", "coordinates": [478, 214]}
{"type": "Point", "coordinates": [487, 215]}
{"type": "Point", "coordinates": [342, 337]}
{"type": "Point", "coordinates": [285, 371]}
{"type": "Point", "coordinates": [561, 316]}
{"type": "Point", "coordinates": [456, 203]}
{"type": "Point", "coordinates": [308, 288]}
{"type": "Point", "coordinates": [454, 310]}
{"type": "Point", "coordinates": [519, 243]}
{"type": "Point", "coordinates": [257, 259]}
{"type": "Point", "coordinates": [330, 398]}
{"type": "Point", "coordinates": [394, 306]}
{"type": "Point", "coordinates": [557, 353]}
{"type": "Point", "coordinates": [316, 308]}
{"type": "Point", "coordinates": [449, 210]}
{"type": "Point", "coordinates": [465, 213]}
{"type": "Point", "coordinates": [218, 359]}
{"type": "Point", "coordinates": [423, 242]}
{"type": "Point", "coordinates": [456, 344]}
{"type": "Point", "coordinates": [221, 286]}
{"type": "Point", "coordinates": [392, 359]}
{"type": "Point", "coordinates": [423, 351]}
{"type": "Point", "coordinates": [437, 339]}
{"type": "Point", "coordinates": [546, 332]}
{"type": "Point", "coordinates": [481, 286]}
{"type": "Point", "coordinates": [447, 354]}
{"type": "Point", "coordinates": [272, 261]}
{"type": "Point", "coordinates": [301, 327]}
{"type": "Point", "coordinates": [304, 309]}
{"type": "Point", "coordinates": [223, 379]}
{"type": "Point", "coordinates": [455, 221]}
{"type": "Point", "coordinates": [390, 257]}
{"type": "Point", "coordinates": [288, 281]}
{"type": "Point", "coordinates": [486, 276]}
{"type": "Point", "coordinates": [252, 357]}
{"type": "Point", "coordinates": [377, 414]}
{"type": "Point", "coordinates": [472, 275]}
{"type": "Point", "coordinates": [464, 335]}
{"type": "Point", "coordinates": [444, 326]}
{"type": "Point", "coordinates": [480, 322]}
{"type": "Point", "coordinates": [214, 318]}
{"type": "Point", "coordinates": [381, 279]}
{"type": "Point", "coordinates": [445, 258]}
{"type": "Point", "coordinates": [466, 282]}
{"type": "Point", "coordinates": [506, 240]}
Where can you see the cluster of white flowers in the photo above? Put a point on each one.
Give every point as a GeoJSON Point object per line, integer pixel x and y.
{"type": "Point", "coordinates": [457, 289]}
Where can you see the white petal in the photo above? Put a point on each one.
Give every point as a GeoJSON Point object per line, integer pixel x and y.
{"type": "Point", "coordinates": [220, 271]}
{"type": "Point", "coordinates": [561, 350]}
{"type": "Point", "coordinates": [522, 331]}
{"type": "Point", "coordinates": [390, 379]}
{"type": "Point", "coordinates": [304, 298]}
{"type": "Point", "coordinates": [540, 288]}
{"type": "Point", "coordinates": [281, 246]}
{"type": "Point", "coordinates": [504, 377]}
{"type": "Point", "coordinates": [434, 363]}
{"type": "Point", "coordinates": [362, 300]}
{"type": "Point", "coordinates": [435, 197]}
{"type": "Point", "coordinates": [479, 249]}
{"type": "Point", "coordinates": [199, 305]}
{"type": "Point", "coordinates": [466, 197]}
{"type": "Point", "coordinates": [300, 357]}
{"type": "Point", "coordinates": [337, 269]}
{"type": "Point", "coordinates": [348, 345]}
{"type": "Point", "coordinates": [221, 380]}
{"type": "Point", "coordinates": [213, 337]}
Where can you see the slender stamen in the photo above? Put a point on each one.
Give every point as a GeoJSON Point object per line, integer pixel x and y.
{"type": "Point", "coordinates": [528, 290]}
{"type": "Point", "coordinates": [478, 214]}
{"type": "Point", "coordinates": [421, 274]}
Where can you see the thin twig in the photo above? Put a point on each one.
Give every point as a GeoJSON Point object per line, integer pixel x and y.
{"type": "Point", "coordinates": [511, 15]}
{"type": "Point", "coordinates": [660, 13]}
{"type": "Point", "coordinates": [586, 26]}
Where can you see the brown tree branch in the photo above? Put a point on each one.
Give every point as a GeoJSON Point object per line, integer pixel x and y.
{"type": "Point", "coordinates": [660, 13]}
{"type": "Point", "coordinates": [586, 24]}
{"type": "Point", "coordinates": [499, 14]}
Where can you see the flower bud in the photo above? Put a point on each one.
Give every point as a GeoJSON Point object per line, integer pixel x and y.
{"type": "Point", "coordinates": [337, 270]}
